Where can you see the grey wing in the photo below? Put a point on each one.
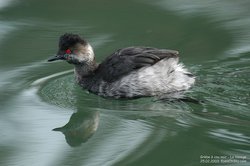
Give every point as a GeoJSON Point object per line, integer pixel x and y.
{"type": "Point", "coordinates": [129, 59]}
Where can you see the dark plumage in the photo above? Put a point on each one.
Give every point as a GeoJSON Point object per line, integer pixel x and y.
{"type": "Point", "coordinates": [68, 40]}
{"type": "Point", "coordinates": [126, 60]}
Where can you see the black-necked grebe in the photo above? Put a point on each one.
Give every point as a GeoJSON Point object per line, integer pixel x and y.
{"type": "Point", "coordinates": [130, 72]}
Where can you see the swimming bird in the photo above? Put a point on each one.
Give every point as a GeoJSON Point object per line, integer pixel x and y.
{"type": "Point", "coordinates": [130, 72]}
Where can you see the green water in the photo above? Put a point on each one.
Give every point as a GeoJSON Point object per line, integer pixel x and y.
{"type": "Point", "coordinates": [37, 97]}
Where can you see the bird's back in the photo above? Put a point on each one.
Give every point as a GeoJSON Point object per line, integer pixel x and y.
{"type": "Point", "coordinates": [140, 71]}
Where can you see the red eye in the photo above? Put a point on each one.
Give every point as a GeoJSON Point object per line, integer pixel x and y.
{"type": "Point", "coordinates": [68, 51]}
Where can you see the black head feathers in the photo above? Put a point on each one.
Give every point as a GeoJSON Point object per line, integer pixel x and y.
{"type": "Point", "coordinates": [68, 40]}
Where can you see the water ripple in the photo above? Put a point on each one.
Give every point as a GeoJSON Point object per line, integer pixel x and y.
{"type": "Point", "coordinates": [230, 136]}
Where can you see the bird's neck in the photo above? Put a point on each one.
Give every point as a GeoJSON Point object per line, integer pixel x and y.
{"type": "Point", "coordinates": [85, 70]}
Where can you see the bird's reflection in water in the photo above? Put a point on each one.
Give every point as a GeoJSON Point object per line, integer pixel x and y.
{"type": "Point", "coordinates": [81, 126]}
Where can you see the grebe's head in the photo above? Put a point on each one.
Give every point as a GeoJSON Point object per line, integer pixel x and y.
{"type": "Point", "coordinates": [74, 50]}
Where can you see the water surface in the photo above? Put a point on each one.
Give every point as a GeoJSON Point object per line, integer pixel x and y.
{"type": "Point", "coordinates": [47, 119]}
